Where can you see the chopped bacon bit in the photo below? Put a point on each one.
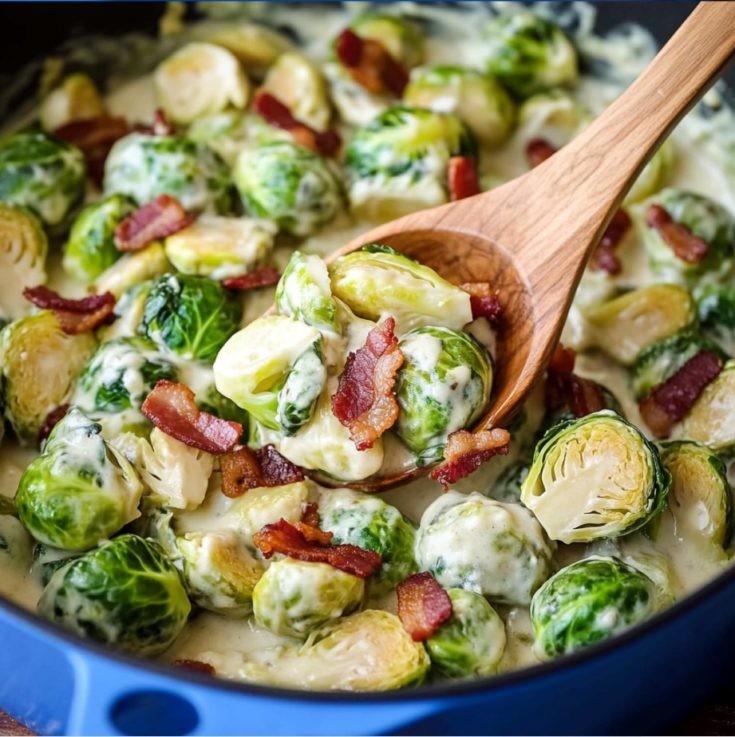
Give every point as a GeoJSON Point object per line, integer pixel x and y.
{"type": "Point", "coordinates": [668, 403]}
{"type": "Point", "coordinates": [313, 534]}
{"type": "Point", "coordinates": [370, 64]}
{"type": "Point", "coordinates": [244, 469]}
{"type": "Point", "coordinates": [467, 451]}
{"type": "Point", "coordinates": [277, 470]}
{"type": "Point", "coordinates": [170, 406]}
{"type": "Point", "coordinates": [265, 277]}
{"type": "Point", "coordinates": [310, 514]}
{"type": "Point", "coordinates": [270, 108]}
{"type": "Point", "coordinates": [423, 605]}
{"type": "Point", "coordinates": [564, 389]}
{"type": "Point", "coordinates": [484, 301]}
{"type": "Point", "coordinates": [364, 401]}
{"type": "Point", "coordinates": [196, 665]}
{"type": "Point", "coordinates": [462, 178]}
{"type": "Point", "coordinates": [158, 219]}
{"type": "Point", "coordinates": [283, 537]}
{"type": "Point", "coordinates": [538, 150]}
{"type": "Point", "coordinates": [685, 245]}
{"type": "Point", "coordinates": [603, 257]}
{"type": "Point", "coordinates": [75, 316]}
{"type": "Point", "coordinates": [52, 418]}
{"type": "Point", "coordinates": [563, 359]}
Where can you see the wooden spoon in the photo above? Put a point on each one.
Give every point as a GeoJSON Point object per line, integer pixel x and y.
{"type": "Point", "coordinates": [531, 237]}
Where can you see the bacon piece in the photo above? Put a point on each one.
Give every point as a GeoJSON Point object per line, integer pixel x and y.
{"type": "Point", "coordinates": [52, 418]}
{"type": "Point", "coordinates": [313, 534]}
{"type": "Point", "coordinates": [75, 316]}
{"type": "Point", "coordinates": [466, 451]}
{"type": "Point", "coordinates": [158, 219]}
{"type": "Point", "coordinates": [364, 402]}
{"type": "Point", "coordinates": [270, 108]}
{"type": "Point", "coordinates": [170, 406]}
{"type": "Point", "coordinates": [484, 301]}
{"type": "Point", "coordinates": [370, 64]}
{"type": "Point", "coordinates": [538, 150]}
{"type": "Point", "coordinates": [603, 257]}
{"type": "Point", "coordinates": [462, 178]}
{"type": "Point", "coordinates": [423, 605]}
{"type": "Point", "coordinates": [564, 389]}
{"type": "Point", "coordinates": [265, 277]}
{"type": "Point", "coordinates": [310, 514]}
{"type": "Point", "coordinates": [196, 665]}
{"type": "Point", "coordinates": [668, 403]}
{"type": "Point", "coordinates": [244, 469]}
{"type": "Point", "coordinates": [277, 470]}
{"type": "Point", "coordinates": [685, 245]}
{"type": "Point", "coordinates": [283, 537]}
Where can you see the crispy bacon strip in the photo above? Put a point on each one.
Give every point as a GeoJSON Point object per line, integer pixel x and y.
{"type": "Point", "coordinates": [265, 277]}
{"type": "Point", "coordinates": [423, 605]}
{"type": "Point", "coordinates": [52, 418]}
{"type": "Point", "coordinates": [155, 220]}
{"type": "Point", "coordinates": [75, 316]}
{"type": "Point", "coordinates": [687, 246]}
{"type": "Point", "coordinates": [484, 301]}
{"type": "Point", "coordinates": [370, 64]}
{"type": "Point", "coordinates": [466, 451]}
{"type": "Point", "coordinates": [668, 403]}
{"type": "Point", "coordinates": [196, 665]}
{"type": "Point", "coordinates": [564, 389]}
{"type": "Point", "coordinates": [364, 402]}
{"type": "Point", "coordinates": [270, 108]}
{"type": "Point", "coordinates": [462, 178]}
{"type": "Point", "coordinates": [244, 469]}
{"type": "Point", "coordinates": [287, 539]}
{"type": "Point", "coordinates": [170, 406]}
{"type": "Point", "coordinates": [538, 150]}
{"type": "Point", "coordinates": [603, 257]}
{"type": "Point", "coordinates": [310, 514]}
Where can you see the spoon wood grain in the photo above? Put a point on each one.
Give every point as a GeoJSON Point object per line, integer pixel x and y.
{"type": "Point", "coordinates": [531, 237]}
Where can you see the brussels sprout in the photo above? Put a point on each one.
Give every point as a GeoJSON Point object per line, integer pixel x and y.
{"type": "Point", "coordinates": [471, 642]}
{"type": "Point", "coordinates": [80, 490]}
{"type": "Point", "coordinates": [41, 173]}
{"type": "Point", "coordinates": [301, 390]}
{"type": "Point", "coordinates": [555, 116]}
{"type": "Point", "coordinates": [707, 220]}
{"type": "Point", "coordinates": [594, 477]}
{"type": "Point", "coordinates": [23, 249]}
{"type": "Point", "coordinates": [397, 164]}
{"type": "Point", "coordinates": [653, 175]}
{"type": "Point", "coordinates": [662, 359]}
{"type": "Point", "coordinates": [131, 270]}
{"type": "Point", "coordinates": [507, 488]}
{"type": "Point", "coordinates": [624, 326]}
{"type": "Point", "coordinates": [226, 133]}
{"type": "Point", "coordinates": [711, 420]}
{"type": "Point", "coordinates": [700, 499]}
{"type": "Point", "coordinates": [124, 593]}
{"type": "Point", "coordinates": [376, 281]}
{"type": "Point", "coordinates": [295, 597]}
{"type": "Point", "coordinates": [443, 386]}
{"type": "Point", "coordinates": [190, 315]}
{"type": "Point", "coordinates": [304, 293]}
{"type": "Point", "coordinates": [143, 167]}
{"type": "Point", "coordinates": [76, 98]}
{"type": "Point", "coordinates": [253, 366]}
{"type": "Point", "coordinates": [401, 39]}
{"type": "Point", "coordinates": [220, 247]}
{"type": "Point", "coordinates": [15, 542]}
{"type": "Point", "coordinates": [529, 54]}
{"type": "Point", "coordinates": [40, 364]}
{"type": "Point", "coordinates": [589, 601]}
{"type": "Point", "coordinates": [288, 184]}
{"type": "Point", "coordinates": [47, 560]}
{"type": "Point", "coordinates": [367, 651]}
{"type": "Point", "coordinates": [717, 313]}
{"type": "Point", "coordinates": [199, 79]}
{"type": "Point", "coordinates": [495, 549]}
{"type": "Point", "coordinates": [91, 247]}
{"type": "Point", "coordinates": [474, 97]}
{"type": "Point", "coordinates": [367, 521]}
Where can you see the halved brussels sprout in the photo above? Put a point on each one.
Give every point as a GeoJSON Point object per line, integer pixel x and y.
{"type": "Point", "coordinates": [143, 167]}
{"type": "Point", "coordinates": [254, 364]}
{"type": "Point", "coordinates": [304, 293]}
{"type": "Point", "coordinates": [528, 53]}
{"type": "Point", "coordinates": [594, 477]}
{"type": "Point", "coordinates": [495, 549]}
{"type": "Point", "coordinates": [377, 281]}
{"type": "Point", "coordinates": [48, 560]}
{"type": "Point", "coordinates": [131, 270]}
{"type": "Point", "coordinates": [295, 597]}
{"type": "Point", "coordinates": [471, 642]}
{"type": "Point", "coordinates": [23, 249]}
{"type": "Point", "coordinates": [474, 97]}
{"type": "Point", "coordinates": [125, 594]}
{"type": "Point", "coordinates": [199, 79]}
{"type": "Point", "coordinates": [706, 219]}
{"type": "Point", "coordinates": [397, 164]}
{"type": "Point", "coordinates": [43, 174]}
{"type": "Point", "coordinates": [653, 175]}
{"type": "Point", "coordinates": [700, 498]}
{"type": "Point", "coordinates": [589, 601]}
{"type": "Point", "coordinates": [711, 420]}
{"type": "Point", "coordinates": [40, 364]}
{"type": "Point", "coordinates": [625, 325]}
{"type": "Point", "coordinates": [226, 133]}
{"type": "Point", "coordinates": [288, 184]}
{"type": "Point", "coordinates": [91, 247]}
{"type": "Point", "coordinates": [367, 521]}
{"type": "Point", "coordinates": [15, 542]}
{"type": "Point", "coordinates": [443, 386]}
{"type": "Point", "coordinates": [76, 98]}
{"type": "Point", "coordinates": [190, 315]}
{"type": "Point", "coordinates": [367, 651]}
{"type": "Point", "coordinates": [80, 490]}
{"type": "Point", "coordinates": [401, 38]}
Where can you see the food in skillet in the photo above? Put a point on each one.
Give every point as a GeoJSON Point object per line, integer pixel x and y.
{"type": "Point", "coordinates": [175, 461]}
